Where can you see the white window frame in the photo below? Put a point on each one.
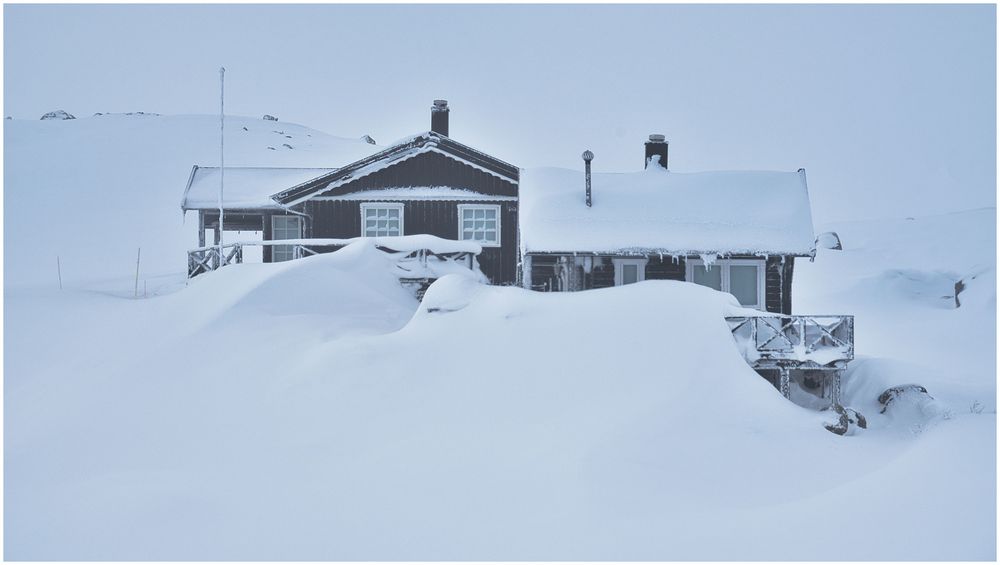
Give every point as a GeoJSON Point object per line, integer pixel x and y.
{"type": "Point", "coordinates": [496, 207]}
{"type": "Point", "coordinates": [282, 250]}
{"type": "Point", "coordinates": [724, 264]}
{"type": "Point", "coordinates": [380, 205]}
{"type": "Point", "coordinates": [620, 262]}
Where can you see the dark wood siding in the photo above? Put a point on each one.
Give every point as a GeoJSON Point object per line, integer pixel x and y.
{"type": "Point", "coordinates": [778, 284]}
{"type": "Point", "coordinates": [602, 275]}
{"type": "Point", "coordinates": [430, 169]}
{"type": "Point", "coordinates": [342, 219]}
{"type": "Point", "coordinates": [665, 267]}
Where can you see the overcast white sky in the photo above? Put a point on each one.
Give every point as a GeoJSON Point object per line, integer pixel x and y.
{"type": "Point", "coordinates": [891, 109]}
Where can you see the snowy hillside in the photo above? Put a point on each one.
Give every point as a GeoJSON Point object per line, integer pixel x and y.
{"type": "Point", "coordinates": [93, 190]}
{"type": "Point", "coordinates": [314, 410]}
{"type": "Point", "coordinates": [898, 276]}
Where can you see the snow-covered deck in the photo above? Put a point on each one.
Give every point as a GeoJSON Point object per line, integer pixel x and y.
{"type": "Point", "coordinates": [785, 342]}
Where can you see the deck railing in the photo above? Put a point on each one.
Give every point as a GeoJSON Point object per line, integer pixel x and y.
{"type": "Point", "coordinates": [803, 341]}
{"type": "Point", "coordinates": [205, 259]}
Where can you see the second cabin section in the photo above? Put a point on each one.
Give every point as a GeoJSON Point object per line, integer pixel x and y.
{"type": "Point", "coordinates": [735, 231]}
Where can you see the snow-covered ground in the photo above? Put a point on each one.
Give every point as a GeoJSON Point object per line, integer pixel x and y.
{"type": "Point", "coordinates": [315, 410]}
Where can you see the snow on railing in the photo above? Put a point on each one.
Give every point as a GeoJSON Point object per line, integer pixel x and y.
{"type": "Point", "coordinates": [417, 256]}
{"type": "Point", "coordinates": [776, 340]}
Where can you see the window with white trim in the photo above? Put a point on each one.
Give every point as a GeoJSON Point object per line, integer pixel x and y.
{"type": "Point", "coordinates": [479, 223]}
{"type": "Point", "coordinates": [284, 227]}
{"type": "Point", "coordinates": [381, 220]}
{"type": "Point", "coordinates": [628, 271]}
{"type": "Point", "coordinates": [743, 278]}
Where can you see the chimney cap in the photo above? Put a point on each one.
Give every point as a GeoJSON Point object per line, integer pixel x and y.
{"type": "Point", "coordinates": [588, 155]}
{"type": "Point", "coordinates": [657, 138]}
{"type": "Point", "coordinates": [440, 104]}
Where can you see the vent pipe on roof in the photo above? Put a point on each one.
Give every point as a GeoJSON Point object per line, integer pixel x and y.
{"type": "Point", "coordinates": [439, 117]}
{"type": "Point", "coordinates": [588, 156]}
{"type": "Point", "coordinates": [656, 146]}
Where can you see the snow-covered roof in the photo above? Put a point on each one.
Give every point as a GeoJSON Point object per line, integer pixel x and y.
{"type": "Point", "coordinates": [245, 187]}
{"type": "Point", "coordinates": [655, 210]}
{"type": "Point", "coordinates": [418, 193]}
{"type": "Point", "coordinates": [407, 148]}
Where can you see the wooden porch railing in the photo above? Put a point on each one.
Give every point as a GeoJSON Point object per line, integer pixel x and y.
{"type": "Point", "coordinates": [205, 259]}
{"type": "Point", "coordinates": [802, 341]}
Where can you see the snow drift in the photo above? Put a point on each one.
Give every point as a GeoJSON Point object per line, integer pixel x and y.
{"type": "Point", "coordinates": [314, 410]}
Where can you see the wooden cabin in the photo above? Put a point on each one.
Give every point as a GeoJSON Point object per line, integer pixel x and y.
{"type": "Point", "coordinates": [555, 230]}
{"type": "Point", "coordinates": [425, 184]}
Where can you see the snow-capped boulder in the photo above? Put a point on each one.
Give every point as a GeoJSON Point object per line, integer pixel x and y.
{"type": "Point", "coordinates": [269, 118]}
{"type": "Point", "coordinates": [368, 139]}
{"type": "Point", "coordinates": [910, 397]}
{"type": "Point", "coordinates": [58, 115]}
{"type": "Point", "coordinates": [849, 422]}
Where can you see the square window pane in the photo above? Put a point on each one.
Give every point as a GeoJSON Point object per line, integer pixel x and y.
{"type": "Point", "coordinates": [743, 284]}
{"type": "Point", "coordinates": [630, 274]}
{"type": "Point", "coordinates": [370, 212]}
{"type": "Point", "coordinates": [711, 277]}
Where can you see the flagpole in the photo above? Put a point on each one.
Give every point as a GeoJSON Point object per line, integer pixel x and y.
{"type": "Point", "coordinates": [222, 156]}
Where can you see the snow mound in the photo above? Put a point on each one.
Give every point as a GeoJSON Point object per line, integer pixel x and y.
{"type": "Point", "coordinates": [355, 288]}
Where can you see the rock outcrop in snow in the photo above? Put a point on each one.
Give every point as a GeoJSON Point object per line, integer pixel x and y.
{"type": "Point", "coordinates": [58, 115]}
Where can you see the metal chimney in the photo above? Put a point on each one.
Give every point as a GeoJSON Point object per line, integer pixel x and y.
{"type": "Point", "coordinates": [657, 145]}
{"type": "Point", "coordinates": [439, 117]}
{"type": "Point", "coordinates": [588, 156]}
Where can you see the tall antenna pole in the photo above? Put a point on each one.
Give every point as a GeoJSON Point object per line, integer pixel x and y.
{"type": "Point", "coordinates": [222, 156]}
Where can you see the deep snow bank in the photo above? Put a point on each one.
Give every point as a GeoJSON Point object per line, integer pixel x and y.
{"type": "Point", "coordinates": [496, 423]}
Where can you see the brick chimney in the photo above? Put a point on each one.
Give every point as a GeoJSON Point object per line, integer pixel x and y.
{"type": "Point", "coordinates": [439, 117]}
{"type": "Point", "coordinates": [657, 145]}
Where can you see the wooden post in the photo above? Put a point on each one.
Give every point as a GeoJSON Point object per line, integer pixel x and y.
{"type": "Point", "coordinates": [784, 382]}
{"type": "Point", "coordinates": [59, 272]}
{"type": "Point", "coordinates": [137, 255]}
{"type": "Point", "coordinates": [201, 228]}
{"type": "Point", "coordinates": [835, 387]}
